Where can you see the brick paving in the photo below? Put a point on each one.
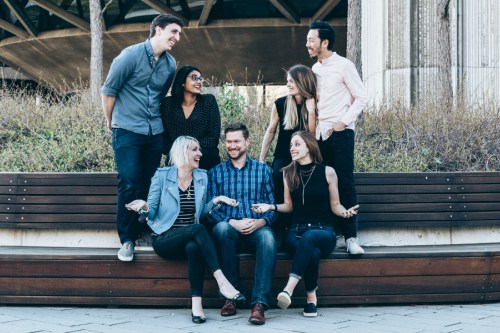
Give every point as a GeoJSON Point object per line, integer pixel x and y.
{"type": "Point", "coordinates": [463, 318]}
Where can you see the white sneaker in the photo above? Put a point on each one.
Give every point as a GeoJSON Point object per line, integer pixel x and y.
{"type": "Point", "coordinates": [353, 246]}
{"type": "Point", "coordinates": [126, 252]}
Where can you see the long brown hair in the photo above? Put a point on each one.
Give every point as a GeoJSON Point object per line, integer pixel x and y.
{"type": "Point", "coordinates": [307, 84]}
{"type": "Point", "coordinates": [291, 171]}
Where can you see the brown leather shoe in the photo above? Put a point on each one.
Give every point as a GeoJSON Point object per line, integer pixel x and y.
{"type": "Point", "coordinates": [257, 315]}
{"type": "Point", "coordinates": [228, 309]}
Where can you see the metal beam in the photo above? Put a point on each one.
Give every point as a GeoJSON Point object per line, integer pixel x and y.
{"type": "Point", "coordinates": [22, 17]}
{"type": "Point", "coordinates": [65, 4]}
{"type": "Point", "coordinates": [13, 29]}
{"type": "Point", "coordinates": [68, 17]}
{"type": "Point", "coordinates": [185, 9]}
{"type": "Point", "coordinates": [286, 11]}
{"type": "Point", "coordinates": [164, 9]}
{"type": "Point", "coordinates": [125, 7]}
{"type": "Point", "coordinates": [325, 10]}
{"type": "Point", "coordinates": [207, 8]}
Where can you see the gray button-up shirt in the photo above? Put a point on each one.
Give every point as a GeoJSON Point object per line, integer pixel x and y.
{"type": "Point", "coordinates": [139, 83]}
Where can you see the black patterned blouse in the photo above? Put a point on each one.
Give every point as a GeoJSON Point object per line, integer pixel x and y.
{"type": "Point", "coordinates": [203, 123]}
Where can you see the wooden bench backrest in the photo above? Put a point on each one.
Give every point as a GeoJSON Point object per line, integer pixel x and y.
{"type": "Point", "coordinates": [428, 199]}
{"type": "Point", "coordinates": [388, 200]}
{"type": "Point", "coordinates": [58, 200]}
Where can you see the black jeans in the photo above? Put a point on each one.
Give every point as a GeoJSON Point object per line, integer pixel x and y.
{"type": "Point", "coordinates": [338, 152]}
{"type": "Point", "coordinates": [137, 157]}
{"type": "Point", "coordinates": [194, 242]}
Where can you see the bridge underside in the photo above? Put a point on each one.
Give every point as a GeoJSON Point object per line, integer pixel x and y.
{"type": "Point", "coordinates": [243, 41]}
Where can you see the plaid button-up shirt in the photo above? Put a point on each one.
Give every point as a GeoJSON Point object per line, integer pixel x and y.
{"type": "Point", "coordinates": [249, 185]}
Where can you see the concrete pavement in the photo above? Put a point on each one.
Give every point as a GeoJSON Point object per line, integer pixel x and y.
{"type": "Point", "coordinates": [474, 318]}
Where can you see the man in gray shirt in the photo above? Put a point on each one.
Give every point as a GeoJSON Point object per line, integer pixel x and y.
{"type": "Point", "coordinates": [138, 79]}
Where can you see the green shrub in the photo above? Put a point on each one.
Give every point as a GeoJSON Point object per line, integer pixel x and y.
{"type": "Point", "coordinates": [51, 136]}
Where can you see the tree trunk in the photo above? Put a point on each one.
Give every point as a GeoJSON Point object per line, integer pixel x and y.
{"type": "Point", "coordinates": [96, 50]}
{"type": "Point", "coordinates": [354, 34]}
{"type": "Point", "coordinates": [444, 68]}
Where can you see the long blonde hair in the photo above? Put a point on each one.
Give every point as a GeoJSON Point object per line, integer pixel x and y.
{"type": "Point", "coordinates": [306, 83]}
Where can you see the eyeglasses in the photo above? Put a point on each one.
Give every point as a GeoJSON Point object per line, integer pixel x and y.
{"type": "Point", "coordinates": [195, 78]}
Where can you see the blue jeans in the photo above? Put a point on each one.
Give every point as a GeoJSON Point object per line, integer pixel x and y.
{"type": "Point", "coordinates": [137, 157]}
{"type": "Point", "coordinates": [228, 242]}
{"type": "Point", "coordinates": [338, 152]}
{"type": "Point", "coordinates": [308, 245]}
{"type": "Point", "coordinates": [193, 242]}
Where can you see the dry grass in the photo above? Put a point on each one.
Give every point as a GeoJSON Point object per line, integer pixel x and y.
{"type": "Point", "coordinates": [50, 136]}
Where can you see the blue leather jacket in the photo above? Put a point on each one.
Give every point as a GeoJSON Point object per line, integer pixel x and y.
{"type": "Point", "coordinates": [164, 198]}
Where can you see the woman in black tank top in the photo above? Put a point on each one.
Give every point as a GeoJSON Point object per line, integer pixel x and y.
{"type": "Point", "coordinates": [311, 192]}
{"type": "Point", "coordinates": [291, 113]}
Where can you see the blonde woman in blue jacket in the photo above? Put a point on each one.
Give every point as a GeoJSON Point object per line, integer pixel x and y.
{"type": "Point", "coordinates": [175, 205]}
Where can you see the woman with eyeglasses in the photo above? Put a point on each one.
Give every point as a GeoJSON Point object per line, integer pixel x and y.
{"type": "Point", "coordinates": [189, 112]}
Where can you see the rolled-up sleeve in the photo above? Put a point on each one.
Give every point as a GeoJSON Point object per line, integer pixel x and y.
{"type": "Point", "coordinates": [267, 193]}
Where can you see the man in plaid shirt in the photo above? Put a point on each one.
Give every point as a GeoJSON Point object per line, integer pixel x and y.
{"type": "Point", "coordinates": [238, 227]}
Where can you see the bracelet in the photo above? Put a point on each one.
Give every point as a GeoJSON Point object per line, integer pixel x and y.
{"type": "Point", "coordinates": [275, 207]}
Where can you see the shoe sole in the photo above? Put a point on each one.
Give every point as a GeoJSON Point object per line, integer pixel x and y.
{"type": "Point", "coordinates": [257, 322]}
{"type": "Point", "coordinates": [228, 314]}
{"type": "Point", "coordinates": [283, 301]}
{"type": "Point", "coordinates": [307, 314]}
{"type": "Point", "coordinates": [122, 258]}
{"type": "Point", "coordinates": [355, 253]}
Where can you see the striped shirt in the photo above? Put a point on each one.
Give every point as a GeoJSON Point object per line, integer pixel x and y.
{"type": "Point", "coordinates": [188, 208]}
{"type": "Point", "coordinates": [249, 185]}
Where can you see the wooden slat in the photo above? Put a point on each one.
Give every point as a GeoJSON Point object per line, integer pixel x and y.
{"type": "Point", "coordinates": [216, 302]}
{"type": "Point", "coordinates": [8, 179]}
{"type": "Point", "coordinates": [57, 209]}
{"type": "Point", "coordinates": [67, 199]}
{"type": "Point", "coordinates": [98, 286]}
{"type": "Point", "coordinates": [66, 218]}
{"type": "Point", "coordinates": [432, 188]}
{"type": "Point", "coordinates": [60, 225]}
{"type": "Point", "coordinates": [8, 190]}
{"type": "Point", "coordinates": [156, 268]}
{"type": "Point", "coordinates": [428, 206]}
{"type": "Point", "coordinates": [65, 190]}
{"type": "Point", "coordinates": [418, 198]}
{"type": "Point", "coordinates": [67, 179]}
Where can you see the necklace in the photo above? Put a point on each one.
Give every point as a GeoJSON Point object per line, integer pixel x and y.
{"type": "Point", "coordinates": [183, 187]}
{"type": "Point", "coordinates": [308, 174]}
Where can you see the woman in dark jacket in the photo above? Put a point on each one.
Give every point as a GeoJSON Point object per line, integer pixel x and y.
{"type": "Point", "coordinates": [189, 112]}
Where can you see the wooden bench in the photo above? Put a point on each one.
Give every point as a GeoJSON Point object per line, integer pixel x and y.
{"type": "Point", "coordinates": [385, 274]}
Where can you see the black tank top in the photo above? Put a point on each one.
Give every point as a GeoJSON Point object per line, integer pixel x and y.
{"type": "Point", "coordinates": [282, 150]}
{"type": "Point", "coordinates": [316, 205]}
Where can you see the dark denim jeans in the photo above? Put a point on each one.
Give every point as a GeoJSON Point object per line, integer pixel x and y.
{"type": "Point", "coordinates": [229, 242]}
{"type": "Point", "coordinates": [308, 245]}
{"type": "Point", "coordinates": [193, 242]}
{"type": "Point", "coordinates": [137, 157]}
{"type": "Point", "coordinates": [338, 152]}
